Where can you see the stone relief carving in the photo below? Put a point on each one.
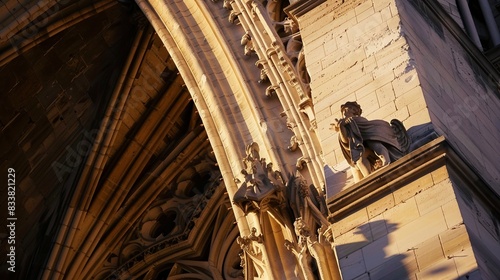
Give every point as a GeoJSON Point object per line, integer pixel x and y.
{"type": "Point", "coordinates": [310, 213]}
{"type": "Point", "coordinates": [251, 257]}
{"type": "Point", "coordinates": [262, 184]}
{"type": "Point", "coordinates": [247, 244]}
{"type": "Point", "coordinates": [169, 219]}
{"type": "Point", "coordinates": [368, 145]}
{"type": "Point", "coordinates": [283, 50]}
{"type": "Point", "coordinates": [246, 41]}
{"type": "Point", "coordinates": [264, 190]}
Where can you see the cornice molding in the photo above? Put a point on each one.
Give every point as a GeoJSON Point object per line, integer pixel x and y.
{"type": "Point", "coordinates": [302, 7]}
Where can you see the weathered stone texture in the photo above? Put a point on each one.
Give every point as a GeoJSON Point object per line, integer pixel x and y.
{"type": "Point", "coordinates": [462, 101]}
{"type": "Point", "coordinates": [50, 98]}
{"type": "Point", "coordinates": [370, 63]}
{"type": "Point", "coordinates": [483, 227]}
{"type": "Point", "coordinates": [399, 63]}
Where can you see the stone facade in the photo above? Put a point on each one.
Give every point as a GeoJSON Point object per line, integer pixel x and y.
{"type": "Point", "coordinates": [397, 60]}
{"type": "Point", "coordinates": [178, 139]}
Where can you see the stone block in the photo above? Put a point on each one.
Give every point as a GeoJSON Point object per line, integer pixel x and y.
{"type": "Point", "coordinates": [18, 127]}
{"type": "Point", "coordinates": [401, 266]}
{"type": "Point", "coordinates": [409, 97]}
{"type": "Point", "coordinates": [363, 7]}
{"type": "Point", "coordinates": [351, 85]}
{"type": "Point", "coordinates": [418, 118]}
{"type": "Point", "coordinates": [466, 263]}
{"type": "Point", "coordinates": [343, 19]}
{"type": "Point", "coordinates": [377, 252]}
{"type": "Point", "coordinates": [452, 214]}
{"type": "Point", "coordinates": [316, 54]}
{"type": "Point", "coordinates": [405, 82]}
{"type": "Point", "coordinates": [380, 205]}
{"type": "Point", "coordinates": [350, 222]}
{"type": "Point", "coordinates": [420, 229]}
{"type": "Point", "coordinates": [364, 276]}
{"type": "Point", "coordinates": [398, 65]}
{"type": "Point", "coordinates": [369, 63]}
{"type": "Point", "coordinates": [92, 51]}
{"type": "Point", "coordinates": [416, 106]}
{"type": "Point", "coordinates": [350, 242]}
{"type": "Point", "coordinates": [324, 115]}
{"type": "Point", "coordinates": [454, 240]}
{"type": "Point", "coordinates": [385, 12]}
{"type": "Point", "coordinates": [379, 5]}
{"type": "Point", "coordinates": [378, 44]}
{"type": "Point", "coordinates": [445, 269]}
{"type": "Point", "coordinates": [330, 46]}
{"type": "Point", "coordinates": [378, 227]}
{"type": "Point", "coordinates": [429, 252]}
{"type": "Point", "coordinates": [488, 224]}
{"type": "Point", "coordinates": [336, 67]}
{"type": "Point", "coordinates": [373, 25]}
{"type": "Point", "coordinates": [386, 112]}
{"type": "Point", "coordinates": [364, 11]}
{"type": "Point", "coordinates": [314, 69]}
{"type": "Point", "coordinates": [342, 41]}
{"type": "Point", "coordinates": [49, 95]}
{"type": "Point", "coordinates": [369, 104]}
{"type": "Point", "coordinates": [435, 196]}
{"type": "Point", "coordinates": [382, 80]}
{"type": "Point", "coordinates": [402, 214]}
{"type": "Point", "coordinates": [352, 265]}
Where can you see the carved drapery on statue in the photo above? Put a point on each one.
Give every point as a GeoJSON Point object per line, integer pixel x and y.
{"type": "Point", "coordinates": [359, 130]}
{"type": "Point", "coordinates": [369, 144]}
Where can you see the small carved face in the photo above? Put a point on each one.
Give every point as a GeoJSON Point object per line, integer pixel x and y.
{"type": "Point", "coordinates": [349, 111]}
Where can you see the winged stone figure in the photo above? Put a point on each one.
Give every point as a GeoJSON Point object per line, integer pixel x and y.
{"type": "Point", "coordinates": [368, 145]}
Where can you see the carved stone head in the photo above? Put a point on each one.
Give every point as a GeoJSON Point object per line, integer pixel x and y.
{"type": "Point", "coordinates": [351, 109]}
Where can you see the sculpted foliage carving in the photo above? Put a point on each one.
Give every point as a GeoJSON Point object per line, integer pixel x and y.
{"type": "Point", "coordinates": [262, 185]}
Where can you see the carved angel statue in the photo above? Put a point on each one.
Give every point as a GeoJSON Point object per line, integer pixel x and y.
{"type": "Point", "coordinates": [369, 144]}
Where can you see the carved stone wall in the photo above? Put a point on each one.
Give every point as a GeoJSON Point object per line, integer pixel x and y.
{"type": "Point", "coordinates": [53, 95]}
{"type": "Point", "coordinates": [214, 155]}
{"type": "Point", "coordinates": [371, 52]}
{"type": "Point", "coordinates": [357, 51]}
{"type": "Point", "coordinates": [460, 94]}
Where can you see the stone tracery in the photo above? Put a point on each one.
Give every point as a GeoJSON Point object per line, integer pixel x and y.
{"type": "Point", "coordinates": [172, 220]}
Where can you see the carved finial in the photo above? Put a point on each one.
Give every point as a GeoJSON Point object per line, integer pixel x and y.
{"type": "Point", "coordinates": [262, 184]}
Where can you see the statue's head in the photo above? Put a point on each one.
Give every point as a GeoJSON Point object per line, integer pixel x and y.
{"type": "Point", "coordinates": [350, 109]}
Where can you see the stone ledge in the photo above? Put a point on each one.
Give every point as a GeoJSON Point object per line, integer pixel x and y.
{"type": "Point", "coordinates": [417, 163]}
{"type": "Point", "coordinates": [301, 7]}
